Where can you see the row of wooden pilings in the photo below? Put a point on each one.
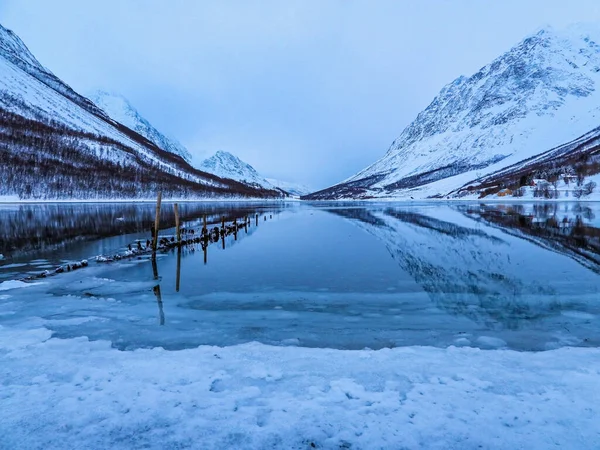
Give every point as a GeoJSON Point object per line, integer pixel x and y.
{"type": "Point", "coordinates": [224, 230]}
{"type": "Point", "coordinates": [205, 239]}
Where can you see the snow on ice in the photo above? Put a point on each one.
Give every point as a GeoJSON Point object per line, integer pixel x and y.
{"type": "Point", "coordinates": [73, 393]}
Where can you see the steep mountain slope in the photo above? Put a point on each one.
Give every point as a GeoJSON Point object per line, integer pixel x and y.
{"type": "Point", "coordinates": [539, 95]}
{"type": "Point", "coordinates": [227, 165]}
{"type": "Point", "coordinates": [54, 143]}
{"type": "Point", "coordinates": [119, 109]}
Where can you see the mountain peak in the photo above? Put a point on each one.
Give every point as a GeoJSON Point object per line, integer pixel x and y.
{"type": "Point", "coordinates": [505, 112]}
{"type": "Point", "coordinates": [121, 110]}
{"type": "Point", "coordinates": [226, 165]}
{"type": "Point", "coordinates": [14, 49]}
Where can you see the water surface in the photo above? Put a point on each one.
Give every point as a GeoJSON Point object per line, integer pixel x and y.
{"type": "Point", "coordinates": [349, 276]}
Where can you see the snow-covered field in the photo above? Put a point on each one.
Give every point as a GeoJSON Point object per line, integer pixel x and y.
{"type": "Point", "coordinates": [72, 393]}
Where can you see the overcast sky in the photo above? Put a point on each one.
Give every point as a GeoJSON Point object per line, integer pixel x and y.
{"type": "Point", "coordinates": [305, 91]}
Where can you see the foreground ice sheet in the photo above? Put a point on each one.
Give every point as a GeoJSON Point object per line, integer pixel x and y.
{"type": "Point", "coordinates": [73, 393]}
{"type": "Point", "coordinates": [101, 358]}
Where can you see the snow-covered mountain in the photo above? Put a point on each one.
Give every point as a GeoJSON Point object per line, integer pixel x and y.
{"type": "Point", "coordinates": [55, 143]}
{"type": "Point", "coordinates": [294, 189]}
{"type": "Point", "coordinates": [121, 110]}
{"type": "Point", "coordinates": [227, 165]}
{"type": "Point", "coordinates": [542, 93]}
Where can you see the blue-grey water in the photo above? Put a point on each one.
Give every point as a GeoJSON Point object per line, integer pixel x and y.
{"type": "Point", "coordinates": [522, 276]}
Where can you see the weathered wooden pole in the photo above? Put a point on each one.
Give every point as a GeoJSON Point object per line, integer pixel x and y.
{"type": "Point", "coordinates": [257, 220]}
{"type": "Point", "coordinates": [235, 229]}
{"type": "Point", "coordinates": [223, 222]}
{"type": "Point", "coordinates": [156, 224]}
{"type": "Point", "coordinates": [204, 225]}
{"type": "Point", "coordinates": [176, 209]}
{"type": "Point", "coordinates": [246, 223]}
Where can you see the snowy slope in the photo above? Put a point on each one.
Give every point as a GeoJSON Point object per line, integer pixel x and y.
{"type": "Point", "coordinates": [225, 165]}
{"type": "Point", "coordinates": [69, 137]}
{"type": "Point", "coordinates": [294, 189]}
{"type": "Point", "coordinates": [540, 94]}
{"type": "Point", "coordinates": [119, 109]}
{"type": "Point", "coordinates": [15, 52]}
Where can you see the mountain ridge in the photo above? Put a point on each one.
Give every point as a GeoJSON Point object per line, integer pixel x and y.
{"type": "Point", "coordinates": [120, 109]}
{"type": "Point", "coordinates": [52, 139]}
{"type": "Point", "coordinates": [504, 113]}
{"type": "Point", "coordinates": [226, 164]}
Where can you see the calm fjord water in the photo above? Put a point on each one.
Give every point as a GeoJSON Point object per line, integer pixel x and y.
{"type": "Point", "coordinates": [522, 276]}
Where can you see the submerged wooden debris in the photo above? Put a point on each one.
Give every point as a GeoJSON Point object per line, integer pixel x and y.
{"type": "Point", "coordinates": [185, 237]}
{"type": "Point", "coordinates": [60, 269]}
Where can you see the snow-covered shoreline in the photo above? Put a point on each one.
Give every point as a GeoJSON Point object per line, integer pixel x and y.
{"type": "Point", "coordinates": [73, 393]}
{"type": "Point", "coordinates": [8, 201]}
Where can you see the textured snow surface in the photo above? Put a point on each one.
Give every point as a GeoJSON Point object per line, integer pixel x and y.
{"type": "Point", "coordinates": [72, 393]}
{"type": "Point", "coordinates": [119, 109]}
{"type": "Point", "coordinates": [541, 94]}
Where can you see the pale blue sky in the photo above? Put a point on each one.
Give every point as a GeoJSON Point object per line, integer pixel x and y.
{"type": "Point", "coordinates": [309, 91]}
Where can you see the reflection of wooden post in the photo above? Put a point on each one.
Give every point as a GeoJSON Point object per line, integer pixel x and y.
{"type": "Point", "coordinates": [223, 240]}
{"type": "Point", "coordinates": [205, 253]}
{"type": "Point", "coordinates": [156, 289]}
{"type": "Point", "coordinates": [161, 313]}
{"type": "Point", "coordinates": [154, 269]}
{"type": "Point", "coordinates": [156, 224]}
{"type": "Point", "coordinates": [178, 277]}
{"type": "Point", "coordinates": [246, 224]}
{"type": "Point", "coordinates": [257, 220]}
{"type": "Point", "coordinates": [176, 208]}
{"type": "Point", "coordinates": [235, 229]}
{"type": "Point", "coordinates": [204, 225]}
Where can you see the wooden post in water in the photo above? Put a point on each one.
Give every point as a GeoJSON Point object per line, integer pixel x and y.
{"type": "Point", "coordinates": [246, 224]}
{"type": "Point", "coordinates": [257, 220]}
{"type": "Point", "coordinates": [204, 225]}
{"type": "Point", "coordinates": [235, 229]}
{"type": "Point", "coordinates": [223, 222]}
{"type": "Point", "coordinates": [205, 253]}
{"type": "Point", "coordinates": [156, 224]}
{"type": "Point", "coordinates": [176, 208]}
